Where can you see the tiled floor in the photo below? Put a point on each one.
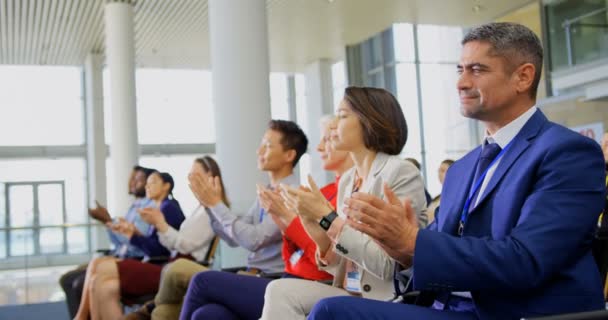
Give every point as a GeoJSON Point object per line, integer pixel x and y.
{"type": "Point", "coordinates": [39, 285]}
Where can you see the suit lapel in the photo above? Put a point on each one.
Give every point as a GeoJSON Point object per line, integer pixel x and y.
{"type": "Point", "coordinates": [520, 143]}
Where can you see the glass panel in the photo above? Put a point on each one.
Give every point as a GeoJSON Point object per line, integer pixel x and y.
{"type": "Point", "coordinates": [51, 240]}
{"type": "Point", "coordinates": [71, 171]}
{"type": "Point", "coordinates": [22, 242]}
{"type": "Point", "coordinates": [279, 97]}
{"type": "Point", "coordinates": [21, 206]}
{"type": "Point", "coordinates": [304, 165]}
{"type": "Point", "coordinates": [375, 80]}
{"type": "Point", "coordinates": [338, 76]}
{"type": "Point", "coordinates": [390, 80]}
{"type": "Point", "coordinates": [77, 240]}
{"type": "Point", "coordinates": [588, 31]}
{"type": "Point", "coordinates": [184, 95]}
{"type": "Point", "coordinates": [446, 131]}
{"type": "Point", "coordinates": [408, 98]}
{"type": "Point", "coordinates": [439, 43]}
{"type": "Point", "coordinates": [301, 111]}
{"type": "Point", "coordinates": [2, 205]}
{"type": "Point", "coordinates": [2, 244]}
{"type": "Point", "coordinates": [403, 35]}
{"type": "Point", "coordinates": [25, 119]}
{"type": "Point", "coordinates": [50, 204]}
{"type": "Point", "coordinates": [388, 50]}
{"type": "Point", "coordinates": [376, 47]}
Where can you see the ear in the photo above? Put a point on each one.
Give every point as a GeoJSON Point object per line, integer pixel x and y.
{"type": "Point", "coordinates": [524, 77]}
{"type": "Point", "coordinates": [290, 156]}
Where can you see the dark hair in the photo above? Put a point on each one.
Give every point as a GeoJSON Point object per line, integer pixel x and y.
{"type": "Point", "coordinates": [449, 162]}
{"type": "Point", "coordinates": [146, 171]}
{"type": "Point", "coordinates": [292, 137]}
{"type": "Point", "coordinates": [166, 178]}
{"type": "Point", "coordinates": [384, 126]}
{"type": "Point", "coordinates": [414, 162]}
{"type": "Point", "coordinates": [211, 166]}
{"type": "Point", "coordinates": [513, 42]}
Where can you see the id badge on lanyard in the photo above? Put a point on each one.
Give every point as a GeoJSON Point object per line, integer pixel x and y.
{"type": "Point", "coordinates": [353, 280]}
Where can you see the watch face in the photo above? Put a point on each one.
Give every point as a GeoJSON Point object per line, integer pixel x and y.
{"type": "Point", "coordinates": [325, 224]}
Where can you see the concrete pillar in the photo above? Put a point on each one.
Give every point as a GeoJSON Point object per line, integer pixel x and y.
{"type": "Point", "coordinates": [120, 55]}
{"type": "Point", "coordinates": [241, 94]}
{"type": "Point", "coordinates": [96, 146]}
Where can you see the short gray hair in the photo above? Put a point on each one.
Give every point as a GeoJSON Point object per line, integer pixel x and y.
{"type": "Point", "coordinates": [514, 42]}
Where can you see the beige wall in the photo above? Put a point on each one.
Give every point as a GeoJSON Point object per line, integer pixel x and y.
{"type": "Point", "coordinates": [577, 112]}
{"type": "Point", "coordinates": [529, 16]}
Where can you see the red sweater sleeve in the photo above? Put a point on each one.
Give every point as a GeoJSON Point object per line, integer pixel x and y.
{"type": "Point", "coordinates": [295, 238]}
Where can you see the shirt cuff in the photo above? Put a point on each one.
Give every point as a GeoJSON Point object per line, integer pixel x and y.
{"type": "Point", "coordinates": [218, 211]}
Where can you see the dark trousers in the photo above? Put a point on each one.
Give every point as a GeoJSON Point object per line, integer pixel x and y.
{"type": "Point", "coordinates": [355, 308]}
{"type": "Point", "coordinates": [72, 283]}
{"type": "Point", "coordinates": [223, 295]}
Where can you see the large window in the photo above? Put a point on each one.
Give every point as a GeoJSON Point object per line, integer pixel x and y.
{"type": "Point", "coordinates": [39, 199]}
{"type": "Point", "coordinates": [40, 106]}
{"type": "Point", "coordinates": [173, 106]}
{"type": "Point", "coordinates": [279, 96]}
{"type": "Point", "coordinates": [422, 75]}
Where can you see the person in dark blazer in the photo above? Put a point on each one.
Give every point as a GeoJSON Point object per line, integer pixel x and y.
{"type": "Point", "coordinates": [518, 214]}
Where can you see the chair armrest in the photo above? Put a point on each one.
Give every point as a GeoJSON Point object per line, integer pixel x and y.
{"type": "Point", "coordinates": [234, 269]}
{"type": "Point", "coordinates": [105, 252]}
{"type": "Point", "coordinates": [271, 275]}
{"type": "Point", "coordinates": [158, 259]}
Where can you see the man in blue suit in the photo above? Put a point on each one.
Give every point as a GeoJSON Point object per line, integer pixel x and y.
{"type": "Point", "coordinates": [517, 214]}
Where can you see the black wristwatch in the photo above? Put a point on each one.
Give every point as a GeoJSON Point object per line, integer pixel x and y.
{"type": "Point", "coordinates": [326, 221]}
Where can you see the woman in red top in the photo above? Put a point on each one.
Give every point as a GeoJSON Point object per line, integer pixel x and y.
{"type": "Point", "coordinates": [233, 296]}
{"type": "Point", "coordinates": [294, 235]}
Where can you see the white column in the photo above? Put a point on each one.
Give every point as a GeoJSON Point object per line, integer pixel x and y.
{"type": "Point", "coordinates": [96, 146]}
{"type": "Point", "coordinates": [120, 55]}
{"type": "Point", "coordinates": [319, 102]}
{"type": "Point", "coordinates": [241, 97]}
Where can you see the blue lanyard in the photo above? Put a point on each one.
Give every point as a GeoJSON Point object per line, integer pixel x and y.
{"type": "Point", "coordinates": [261, 214]}
{"type": "Point", "coordinates": [465, 211]}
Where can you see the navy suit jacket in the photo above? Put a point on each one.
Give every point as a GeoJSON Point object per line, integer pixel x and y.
{"type": "Point", "coordinates": [526, 247]}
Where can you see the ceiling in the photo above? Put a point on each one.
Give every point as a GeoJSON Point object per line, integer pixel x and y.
{"type": "Point", "coordinates": [175, 33]}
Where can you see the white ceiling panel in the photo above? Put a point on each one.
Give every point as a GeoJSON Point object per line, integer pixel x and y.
{"type": "Point", "coordinates": [175, 33]}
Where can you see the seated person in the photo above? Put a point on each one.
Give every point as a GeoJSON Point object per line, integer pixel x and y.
{"type": "Point", "coordinates": [434, 204]}
{"type": "Point", "coordinates": [518, 214]}
{"type": "Point", "coordinates": [121, 246]}
{"type": "Point", "coordinates": [427, 195]}
{"type": "Point", "coordinates": [193, 238]}
{"type": "Point", "coordinates": [281, 147]}
{"type": "Point", "coordinates": [113, 277]}
{"type": "Point", "coordinates": [232, 296]}
{"type": "Point", "coordinates": [370, 126]}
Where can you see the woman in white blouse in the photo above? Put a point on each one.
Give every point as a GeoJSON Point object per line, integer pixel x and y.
{"type": "Point", "coordinates": [193, 238]}
{"type": "Point", "coordinates": [195, 234]}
